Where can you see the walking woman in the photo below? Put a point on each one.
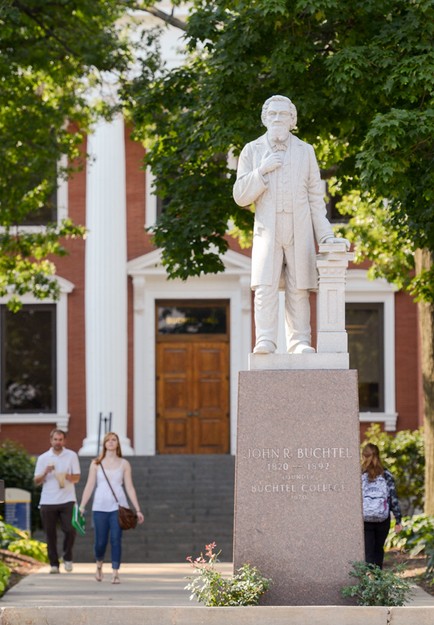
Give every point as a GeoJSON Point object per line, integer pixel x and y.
{"type": "Point", "coordinates": [109, 467]}
{"type": "Point", "coordinates": [379, 498]}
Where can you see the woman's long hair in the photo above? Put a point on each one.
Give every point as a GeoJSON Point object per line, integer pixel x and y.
{"type": "Point", "coordinates": [371, 463]}
{"type": "Point", "coordinates": [104, 450]}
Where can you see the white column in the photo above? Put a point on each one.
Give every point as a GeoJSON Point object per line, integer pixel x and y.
{"type": "Point", "coordinates": [106, 284]}
{"type": "Point", "coordinates": [332, 263]}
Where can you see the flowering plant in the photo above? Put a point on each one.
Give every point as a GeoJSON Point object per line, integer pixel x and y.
{"type": "Point", "coordinates": [212, 589]}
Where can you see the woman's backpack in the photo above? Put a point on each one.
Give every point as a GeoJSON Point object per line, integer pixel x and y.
{"type": "Point", "coordinates": [375, 499]}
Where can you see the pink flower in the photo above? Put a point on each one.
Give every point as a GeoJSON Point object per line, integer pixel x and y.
{"type": "Point", "coordinates": [200, 563]}
{"type": "Point", "coordinates": [209, 549]}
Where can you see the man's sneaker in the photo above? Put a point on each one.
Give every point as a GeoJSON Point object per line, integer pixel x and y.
{"type": "Point", "coordinates": [68, 566]}
{"type": "Point", "coordinates": [54, 570]}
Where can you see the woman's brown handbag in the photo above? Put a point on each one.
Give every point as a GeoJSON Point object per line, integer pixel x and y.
{"type": "Point", "coordinates": [126, 517]}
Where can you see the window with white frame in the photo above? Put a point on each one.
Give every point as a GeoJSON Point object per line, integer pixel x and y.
{"type": "Point", "coordinates": [28, 359]}
{"type": "Point", "coordinates": [370, 323]}
{"type": "Point", "coordinates": [33, 360]}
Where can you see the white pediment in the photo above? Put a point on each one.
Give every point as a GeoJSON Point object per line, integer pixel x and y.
{"type": "Point", "coordinates": [151, 265]}
{"type": "Point", "coordinates": [65, 286]}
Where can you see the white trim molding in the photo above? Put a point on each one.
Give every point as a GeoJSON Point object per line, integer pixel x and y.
{"type": "Point", "coordinates": [61, 417]}
{"type": "Point", "coordinates": [150, 283]}
{"type": "Point", "coordinates": [151, 199]}
{"type": "Point", "coordinates": [359, 289]}
{"type": "Point", "coordinates": [62, 191]}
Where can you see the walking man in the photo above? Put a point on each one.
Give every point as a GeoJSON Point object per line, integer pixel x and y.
{"type": "Point", "coordinates": [58, 470]}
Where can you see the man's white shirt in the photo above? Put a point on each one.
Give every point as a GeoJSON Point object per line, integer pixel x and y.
{"type": "Point", "coordinates": [65, 462]}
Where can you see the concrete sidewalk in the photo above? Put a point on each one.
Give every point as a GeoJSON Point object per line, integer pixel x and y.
{"type": "Point", "coordinates": [141, 585]}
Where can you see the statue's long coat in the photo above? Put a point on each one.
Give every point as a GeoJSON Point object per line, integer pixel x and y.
{"type": "Point", "coordinates": [306, 199]}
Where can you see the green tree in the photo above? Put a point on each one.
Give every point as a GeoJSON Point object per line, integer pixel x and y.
{"type": "Point", "coordinates": [51, 55]}
{"type": "Point", "coordinates": [361, 75]}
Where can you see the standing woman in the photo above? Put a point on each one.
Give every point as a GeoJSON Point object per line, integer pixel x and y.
{"type": "Point", "coordinates": [379, 498]}
{"type": "Point", "coordinates": [105, 506]}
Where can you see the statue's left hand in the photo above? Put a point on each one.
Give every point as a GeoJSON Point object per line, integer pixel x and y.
{"type": "Point", "coordinates": [338, 240]}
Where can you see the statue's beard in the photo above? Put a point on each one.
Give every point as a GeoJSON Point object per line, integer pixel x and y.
{"type": "Point", "coordinates": [278, 134]}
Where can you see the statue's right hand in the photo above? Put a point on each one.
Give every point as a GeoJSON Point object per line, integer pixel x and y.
{"type": "Point", "coordinates": [272, 162]}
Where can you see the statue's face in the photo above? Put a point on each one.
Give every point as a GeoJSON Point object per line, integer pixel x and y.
{"type": "Point", "coordinates": [278, 116]}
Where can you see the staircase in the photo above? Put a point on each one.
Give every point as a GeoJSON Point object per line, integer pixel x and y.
{"type": "Point", "coordinates": [188, 502]}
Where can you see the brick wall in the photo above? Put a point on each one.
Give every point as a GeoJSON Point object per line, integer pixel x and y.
{"type": "Point", "coordinates": [408, 400]}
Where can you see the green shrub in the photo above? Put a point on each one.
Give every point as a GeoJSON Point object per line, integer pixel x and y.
{"type": "Point", "coordinates": [32, 548]}
{"type": "Point", "coordinates": [429, 550]}
{"type": "Point", "coordinates": [212, 589]}
{"type": "Point", "coordinates": [416, 534]}
{"type": "Point", "coordinates": [5, 573]}
{"type": "Point", "coordinates": [404, 455]}
{"type": "Point", "coordinates": [377, 586]}
{"type": "Point", "coordinates": [9, 533]}
{"type": "Point", "coordinates": [17, 541]}
{"type": "Point", "coordinates": [17, 469]}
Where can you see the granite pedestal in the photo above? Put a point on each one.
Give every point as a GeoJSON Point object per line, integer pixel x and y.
{"type": "Point", "coordinates": [298, 509]}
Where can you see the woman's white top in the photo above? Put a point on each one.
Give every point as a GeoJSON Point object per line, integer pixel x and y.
{"type": "Point", "coordinates": [103, 500]}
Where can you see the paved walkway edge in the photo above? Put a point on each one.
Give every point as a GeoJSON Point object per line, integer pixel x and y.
{"type": "Point", "coordinates": [263, 615]}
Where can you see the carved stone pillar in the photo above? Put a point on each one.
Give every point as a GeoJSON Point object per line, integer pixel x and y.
{"type": "Point", "coordinates": [332, 263]}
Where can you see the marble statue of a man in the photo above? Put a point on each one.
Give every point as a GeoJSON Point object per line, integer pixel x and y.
{"type": "Point", "coordinates": [279, 174]}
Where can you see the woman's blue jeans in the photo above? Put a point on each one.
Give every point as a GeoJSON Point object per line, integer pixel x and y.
{"type": "Point", "coordinates": [106, 523]}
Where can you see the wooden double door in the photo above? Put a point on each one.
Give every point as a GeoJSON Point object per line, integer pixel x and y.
{"type": "Point", "coordinates": [192, 395]}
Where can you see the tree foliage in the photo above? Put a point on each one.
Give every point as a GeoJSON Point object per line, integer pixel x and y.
{"type": "Point", "coordinates": [361, 75]}
{"type": "Point", "coordinates": [51, 54]}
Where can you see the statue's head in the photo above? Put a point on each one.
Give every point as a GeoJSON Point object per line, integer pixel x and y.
{"type": "Point", "coordinates": [292, 120]}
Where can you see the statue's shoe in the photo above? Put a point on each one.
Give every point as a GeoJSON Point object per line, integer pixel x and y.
{"type": "Point", "coordinates": [303, 348]}
{"type": "Point", "coordinates": [264, 347]}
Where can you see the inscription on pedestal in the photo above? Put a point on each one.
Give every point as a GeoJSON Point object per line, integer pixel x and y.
{"type": "Point", "coordinates": [300, 472]}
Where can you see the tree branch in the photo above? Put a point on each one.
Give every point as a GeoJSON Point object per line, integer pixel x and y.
{"type": "Point", "coordinates": [169, 19]}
